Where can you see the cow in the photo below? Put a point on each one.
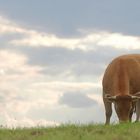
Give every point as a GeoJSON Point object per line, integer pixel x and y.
{"type": "Point", "coordinates": [121, 86]}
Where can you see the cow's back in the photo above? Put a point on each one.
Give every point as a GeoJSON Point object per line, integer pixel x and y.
{"type": "Point", "coordinates": [122, 75]}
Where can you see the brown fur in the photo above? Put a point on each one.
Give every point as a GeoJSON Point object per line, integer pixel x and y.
{"type": "Point", "coordinates": [122, 79]}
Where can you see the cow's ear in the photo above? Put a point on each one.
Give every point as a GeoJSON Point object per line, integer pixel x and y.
{"type": "Point", "coordinates": [136, 97]}
{"type": "Point", "coordinates": [137, 94]}
{"type": "Point", "coordinates": [110, 98]}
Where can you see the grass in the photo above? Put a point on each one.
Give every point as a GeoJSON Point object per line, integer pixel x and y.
{"type": "Point", "coordinates": [75, 132]}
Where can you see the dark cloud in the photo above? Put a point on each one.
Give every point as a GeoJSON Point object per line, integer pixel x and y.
{"type": "Point", "coordinates": [57, 61]}
{"type": "Point", "coordinates": [68, 114]}
{"type": "Point", "coordinates": [76, 100]}
{"type": "Point", "coordinates": [62, 56]}
{"type": "Point", "coordinates": [60, 60]}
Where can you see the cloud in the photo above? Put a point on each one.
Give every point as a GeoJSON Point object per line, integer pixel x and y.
{"type": "Point", "coordinates": [8, 26]}
{"type": "Point", "coordinates": [93, 113]}
{"type": "Point", "coordinates": [23, 88]}
{"type": "Point", "coordinates": [12, 122]}
{"type": "Point", "coordinates": [65, 86]}
{"type": "Point", "coordinates": [61, 64]}
{"type": "Point", "coordinates": [15, 73]}
{"type": "Point", "coordinates": [120, 41]}
{"type": "Point", "coordinates": [75, 61]}
{"type": "Point", "coordinates": [14, 64]}
{"type": "Point", "coordinates": [40, 101]}
{"type": "Point", "coordinates": [88, 41]}
{"type": "Point", "coordinates": [46, 76]}
{"type": "Point", "coordinates": [76, 100]}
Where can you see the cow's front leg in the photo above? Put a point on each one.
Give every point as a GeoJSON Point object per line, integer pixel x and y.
{"type": "Point", "coordinates": [130, 115]}
{"type": "Point", "coordinates": [137, 110]}
{"type": "Point", "coordinates": [132, 111]}
{"type": "Point", "coordinates": [108, 110]}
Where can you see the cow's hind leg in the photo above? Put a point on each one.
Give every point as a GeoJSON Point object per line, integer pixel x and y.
{"type": "Point", "coordinates": [137, 110]}
{"type": "Point", "coordinates": [108, 110]}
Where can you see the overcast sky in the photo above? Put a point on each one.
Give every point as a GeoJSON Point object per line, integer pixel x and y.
{"type": "Point", "coordinates": [53, 55]}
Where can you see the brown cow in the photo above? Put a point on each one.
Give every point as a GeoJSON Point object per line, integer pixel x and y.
{"type": "Point", "coordinates": [121, 86]}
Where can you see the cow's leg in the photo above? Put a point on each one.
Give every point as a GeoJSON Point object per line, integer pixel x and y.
{"type": "Point", "coordinates": [108, 110]}
{"type": "Point", "coordinates": [137, 110]}
{"type": "Point", "coordinates": [132, 111]}
{"type": "Point", "coordinates": [130, 115]}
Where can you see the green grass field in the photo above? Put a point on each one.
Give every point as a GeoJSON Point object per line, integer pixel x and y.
{"type": "Point", "coordinates": [75, 132]}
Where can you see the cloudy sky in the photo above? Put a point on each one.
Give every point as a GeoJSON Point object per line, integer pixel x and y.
{"type": "Point", "coordinates": [53, 55]}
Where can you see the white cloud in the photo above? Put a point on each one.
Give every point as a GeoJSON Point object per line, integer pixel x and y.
{"type": "Point", "coordinates": [10, 59]}
{"type": "Point", "coordinates": [15, 73]}
{"type": "Point", "coordinates": [14, 64]}
{"type": "Point", "coordinates": [69, 85]}
{"type": "Point", "coordinates": [23, 88]}
{"type": "Point", "coordinates": [120, 41]}
{"type": "Point", "coordinates": [12, 122]}
{"type": "Point", "coordinates": [88, 41]}
{"type": "Point", "coordinates": [10, 27]}
{"type": "Point", "coordinates": [96, 97]}
{"type": "Point", "coordinates": [52, 91]}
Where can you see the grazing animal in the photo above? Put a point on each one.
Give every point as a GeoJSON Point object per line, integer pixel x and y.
{"type": "Point", "coordinates": [121, 86]}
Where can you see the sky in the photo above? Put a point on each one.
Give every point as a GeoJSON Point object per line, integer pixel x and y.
{"type": "Point", "coordinates": [53, 55]}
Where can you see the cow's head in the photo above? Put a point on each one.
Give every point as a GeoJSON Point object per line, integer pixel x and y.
{"type": "Point", "coordinates": [124, 105]}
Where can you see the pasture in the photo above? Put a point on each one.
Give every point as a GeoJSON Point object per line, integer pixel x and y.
{"type": "Point", "coordinates": [128, 131]}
